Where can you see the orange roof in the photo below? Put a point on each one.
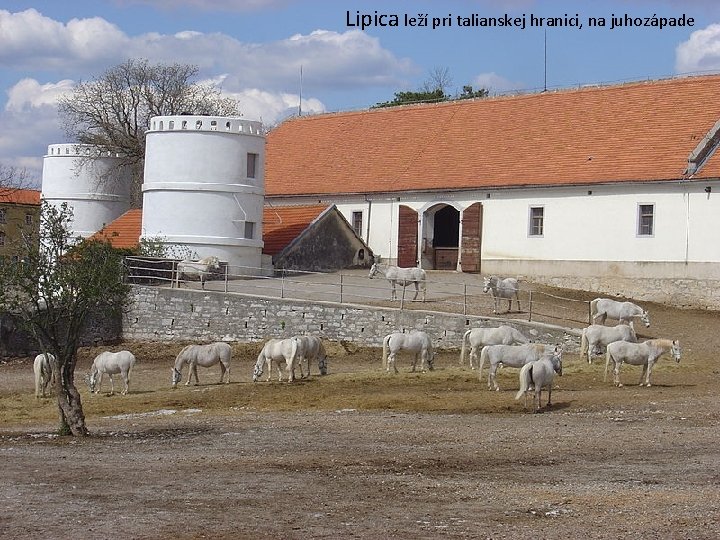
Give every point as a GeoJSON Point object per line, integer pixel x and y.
{"type": "Point", "coordinates": [124, 232]}
{"type": "Point", "coordinates": [19, 196]}
{"type": "Point", "coordinates": [281, 225]}
{"type": "Point", "coordinates": [640, 131]}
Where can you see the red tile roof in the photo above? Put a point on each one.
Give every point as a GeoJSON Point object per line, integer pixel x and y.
{"type": "Point", "coordinates": [281, 225]}
{"type": "Point", "coordinates": [19, 196]}
{"type": "Point", "coordinates": [124, 232]}
{"type": "Point", "coordinates": [641, 131]}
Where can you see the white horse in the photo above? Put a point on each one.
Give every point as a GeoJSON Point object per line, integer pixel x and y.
{"type": "Point", "coordinates": [111, 363]}
{"type": "Point", "coordinates": [205, 356]}
{"type": "Point", "coordinates": [512, 356]}
{"type": "Point", "coordinates": [42, 368]}
{"type": "Point", "coordinates": [624, 312]}
{"type": "Point", "coordinates": [479, 337]}
{"type": "Point", "coordinates": [401, 276]}
{"type": "Point", "coordinates": [416, 342]}
{"type": "Point", "coordinates": [278, 350]}
{"type": "Point", "coordinates": [597, 335]}
{"type": "Point", "coordinates": [502, 288]}
{"type": "Point", "coordinates": [311, 348]}
{"type": "Point", "coordinates": [539, 374]}
{"type": "Point", "coordinates": [197, 269]}
{"type": "Point", "coordinates": [643, 354]}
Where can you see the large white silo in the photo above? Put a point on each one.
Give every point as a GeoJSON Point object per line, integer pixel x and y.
{"type": "Point", "coordinates": [97, 187]}
{"type": "Point", "coordinates": [204, 187]}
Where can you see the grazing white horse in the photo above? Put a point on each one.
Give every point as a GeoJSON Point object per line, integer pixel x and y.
{"type": "Point", "coordinates": [539, 374]}
{"type": "Point", "coordinates": [311, 348]}
{"type": "Point", "coordinates": [416, 342]}
{"type": "Point", "coordinates": [111, 363]}
{"type": "Point", "coordinates": [278, 350]}
{"type": "Point", "coordinates": [205, 356]}
{"type": "Point", "coordinates": [502, 288]}
{"type": "Point", "coordinates": [42, 368]}
{"type": "Point", "coordinates": [512, 356]}
{"type": "Point", "coordinates": [643, 354]}
{"type": "Point", "coordinates": [479, 337]}
{"type": "Point", "coordinates": [401, 276]}
{"type": "Point", "coordinates": [197, 269]}
{"type": "Point", "coordinates": [624, 312]}
{"type": "Point", "coordinates": [597, 335]}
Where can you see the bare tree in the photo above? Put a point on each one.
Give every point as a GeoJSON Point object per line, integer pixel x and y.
{"type": "Point", "coordinates": [113, 111]}
{"type": "Point", "coordinates": [51, 291]}
{"type": "Point", "coordinates": [12, 179]}
{"type": "Point", "coordinates": [438, 79]}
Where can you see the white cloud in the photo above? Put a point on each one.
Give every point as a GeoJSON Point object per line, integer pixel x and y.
{"type": "Point", "coordinates": [701, 52]}
{"type": "Point", "coordinates": [271, 108]}
{"type": "Point", "coordinates": [30, 94]}
{"type": "Point", "coordinates": [495, 83]}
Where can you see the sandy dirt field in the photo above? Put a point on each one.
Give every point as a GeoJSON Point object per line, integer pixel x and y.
{"type": "Point", "coordinates": [362, 454]}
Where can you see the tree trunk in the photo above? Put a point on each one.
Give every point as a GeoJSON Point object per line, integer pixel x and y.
{"type": "Point", "coordinates": [72, 418]}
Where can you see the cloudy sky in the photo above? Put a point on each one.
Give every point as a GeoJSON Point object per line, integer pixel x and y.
{"type": "Point", "coordinates": [254, 50]}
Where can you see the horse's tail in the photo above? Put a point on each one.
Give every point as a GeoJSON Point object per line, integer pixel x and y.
{"type": "Point", "coordinates": [584, 345]}
{"type": "Point", "coordinates": [608, 356]}
{"type": "Point", "coordinates": [483, 355]}
{"type": "Point", "coordinates": [465, 340]}
{"type": "Point", "coordinates": [37, 368]}
{"type": "Point", "coordinates": [593, 309]}
{"type": "Point", "coordinates": [525, 380]}
{"type": "Point", "coordinates": [386, 347]}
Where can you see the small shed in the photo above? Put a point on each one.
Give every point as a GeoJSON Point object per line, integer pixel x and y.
{"type": "Point", "coordinates": [313, 238]}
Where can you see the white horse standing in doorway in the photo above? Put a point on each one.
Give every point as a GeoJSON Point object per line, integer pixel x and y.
{"type": "Point", "coordinates": [401, 276]}
{"type": "Point", "coordinates": [502, 288]}
{"type": "Point", "coordinates": [197, 270]}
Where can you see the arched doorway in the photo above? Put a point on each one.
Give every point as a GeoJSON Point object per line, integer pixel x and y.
{"type": "Point", "coordinates": [441, 237]}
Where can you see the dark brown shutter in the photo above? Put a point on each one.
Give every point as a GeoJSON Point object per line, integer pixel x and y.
{"type": "Point", "coordinates": [471, 238]}
{"type": "Point", "coordinates": [407, 237]}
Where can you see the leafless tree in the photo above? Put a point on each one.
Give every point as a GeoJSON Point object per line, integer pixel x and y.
{"type": "Point", "coordinates": [12, 179]}
{"type": "Point", "coordinates": [113, 111]}
{"type": "Point", "coordinates": [438, 79]}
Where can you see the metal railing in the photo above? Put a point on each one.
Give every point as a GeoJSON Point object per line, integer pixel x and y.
{"type": "Point", "coordinates": [462, 295]}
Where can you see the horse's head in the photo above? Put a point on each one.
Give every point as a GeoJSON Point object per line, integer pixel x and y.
{"type": "Point", "coordinates": [176, 376]}
{"type": "Point", "coordinates": [487, 283]}
{"type": "Point", "coordinates": [645, 318]}
{"type": "Point", "coordinates": [258, 370]}
{"type": "Point", "coordinates": [557, 360]}
{"type": "Point", "coordinates": [91, 380]}
{"type": "Point", "coordinates": [373, 271]}
{"type": "Point", "coordinates": [675, 350]}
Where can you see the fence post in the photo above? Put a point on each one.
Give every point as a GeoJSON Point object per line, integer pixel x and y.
{"type": "Point", "coordinates": [226, 277]}
{"type": "Point", "coordinates": [530, 301]}
{"type": "Point", "coordinates": [282, 284]}
{"type": "Point", "coordinates": [173, 273]}
{"type": "Point", "coordinates": [341, 288]}
{"type": "Point", "coordinates": [464, 298]}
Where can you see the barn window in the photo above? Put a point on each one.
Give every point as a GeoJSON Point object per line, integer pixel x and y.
{"type": "Point", "coordinates": [2, 216]}
{"type": "Point", "coordinates": [28, 219]}
{"type": "Point", "coordinates": [646, 220]}
{"type": "Point", "coordinates": [536, 225]}
{"type": "Point", "coordinates": [249, 230]}
{"type": "Point", "coordinates": [251, 165]}
{"type": "Point", "coordinates": [357, 223]}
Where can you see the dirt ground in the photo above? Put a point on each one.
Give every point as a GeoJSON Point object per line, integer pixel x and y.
{"type": "Point", "coordinates": [359, 453]}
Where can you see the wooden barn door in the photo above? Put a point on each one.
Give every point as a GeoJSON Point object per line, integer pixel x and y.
{"type": "Point", "coordinates": [407, 237]}
{"type": "Point", "coordinates": [471, 238]}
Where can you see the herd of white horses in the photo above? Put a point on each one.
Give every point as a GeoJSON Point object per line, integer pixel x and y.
{"type": "Point", "coordinates": [501, 346]}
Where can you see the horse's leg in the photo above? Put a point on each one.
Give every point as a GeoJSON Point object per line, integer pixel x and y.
{"type": "Point", "coordinates": [112, 384]}
{"type": "Point", "coordinates": [126, 380]}
{"type": "Point", "coordinates": [536, 400]}
{"type": "Point", "coordinates": [648, 369]}
{"type": "Point", "coordinates": [491, 378]}
{"type": "Point", "coordinates": [473, 357]}
{"type": "Point", "coordinates": [549, 403]}
{"type": "Point", "coordinates": [190, 370]}
{"type": "Point", "coordinates": [393, 293]}
{"type": "Point", "coordinates": [616, 373]}
{"type": "Point", "coordinates": [417, 291]}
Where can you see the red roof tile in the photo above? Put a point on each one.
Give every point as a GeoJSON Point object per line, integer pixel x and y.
{"type": "Point", "coordinates": [124, 232]}
{"type": "Point", "coordinates": [281, 225]}
{"type": "Point", "coordinates": [641, 131]}
{"type": "Point", "coordinates": [19, 196]}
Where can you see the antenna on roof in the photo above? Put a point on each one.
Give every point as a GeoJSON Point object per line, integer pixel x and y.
{"type": "Point", "coordinates": [300, 103]}
{"type": "Point", "coordinates": [545, 75]}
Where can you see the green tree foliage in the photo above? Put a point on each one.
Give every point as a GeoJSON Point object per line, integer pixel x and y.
{"type": "Point", "coordinates": [57, 283]}
{"type": "Point", "coordinates": [112, 112]}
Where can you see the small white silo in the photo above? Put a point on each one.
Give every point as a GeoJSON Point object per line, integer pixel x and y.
{"type": "Point", "coordinates": [204, 187]}
{"type": "Point", "coordinates": [96, 187]}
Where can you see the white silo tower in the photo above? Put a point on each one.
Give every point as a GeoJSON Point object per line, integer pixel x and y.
{"type": "Point", "coordinates": [204, 187]}
{"type": "Point", "coordinates": [97, 187]}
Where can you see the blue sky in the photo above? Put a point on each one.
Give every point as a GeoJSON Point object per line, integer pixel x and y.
{"type": "Point", "coordinates": [254, 49]}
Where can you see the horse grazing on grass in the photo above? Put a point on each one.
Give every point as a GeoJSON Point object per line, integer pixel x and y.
{"type": "Point", "coordinates": [205, 356]}
{"type": "Point", "coordinates": [624, 312]}
{"type": "Point", "coordinates": [416, 342]}
{"type": "Point", "coordinates": [643, 354]}
{"type": "Point", "coordinates": [278, 350]}
{"type": "Point", "coordinates": [311, 348]}
{"type": "Point", "coordinates": [597, 335]}
{"type": "Point", "coordinates": [42, 367]}
{"type": "Point", "coordinates": [513, 356]}
{"type": "Point", "coordinates": [479, 337]}
{"type": "Point", "coordinates": [199, 270]}
{"type": "Point", "coordinates": [401, 276]}
{"type": "Point", "coordinates": [502, 288]}
{"type": "Point", "coordinates": [539, 374]}
{"type": "Point", "coordinates": [111, 363]}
